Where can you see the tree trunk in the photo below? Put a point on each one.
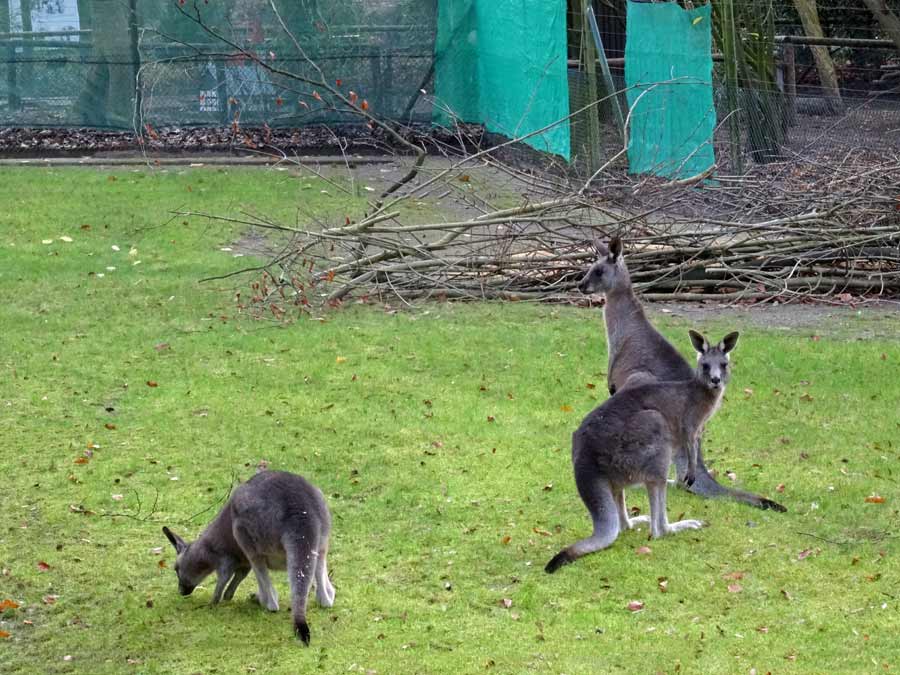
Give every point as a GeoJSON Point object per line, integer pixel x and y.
{"type": "Point", "coordinates": [889, 22]}
{"type": "Point", "coordinates": [809, 15]}
{"type": "Point", "coordinates": [107, 99]}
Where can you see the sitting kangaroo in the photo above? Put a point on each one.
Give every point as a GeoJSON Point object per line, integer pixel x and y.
{"type": "Point", "coordinates": [274, 520]}
{"type": "Point", "coordinates": [631, 439]}
{"type": "Point", "coordinates": [638, 354]}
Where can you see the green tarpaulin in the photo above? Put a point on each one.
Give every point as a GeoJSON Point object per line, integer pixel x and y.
{"type": "Point", "coordinates": [502, 63]}
{"type": "Point", "coordinates": [668, 70]}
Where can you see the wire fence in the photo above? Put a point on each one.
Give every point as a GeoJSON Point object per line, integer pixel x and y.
{"type": "Point", "coordinates": [96, 63]}
{"type": "Point", "coordinates": [864, 117]}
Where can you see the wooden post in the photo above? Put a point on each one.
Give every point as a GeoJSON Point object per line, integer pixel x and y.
{"type": "Point", "coordinates": [136, 58]}
{"type": "Point", "coordinates": [730, 38]}
{"type": "Point", "coordinates": [12, 80]}
{"type": "Point", "coordinates": [789, 64]}
{"type": "Point", "coordinates": [589, 61]}
{"type": "Point", "coordinates": [27, 69]}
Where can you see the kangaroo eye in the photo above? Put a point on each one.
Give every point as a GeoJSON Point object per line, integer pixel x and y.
{"type": "Point", "coordinates": [706, 367]}
{"type": "Point", "coordinates": [724, 365]}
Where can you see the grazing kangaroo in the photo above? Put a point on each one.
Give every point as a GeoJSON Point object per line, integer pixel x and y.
{"type": "Point", "coordinates": [275, 520]}
{"type": "Point", "coordinates": [638, 354]}
{"type": "Point", "coordinates": [631, 439]}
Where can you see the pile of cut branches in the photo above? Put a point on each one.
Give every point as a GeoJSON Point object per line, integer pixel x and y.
{"type": "Point", "coordinates": [786, 235]}
{"type": "Point", "coordinates": [799, 229]}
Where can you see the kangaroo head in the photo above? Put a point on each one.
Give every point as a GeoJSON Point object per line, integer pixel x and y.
{"type": "Point", "coordinates": [608, 272]}
{"type": "Point", "coordinates": [192, 564]}
{"type": "Point", "coordinates": [712, 360]}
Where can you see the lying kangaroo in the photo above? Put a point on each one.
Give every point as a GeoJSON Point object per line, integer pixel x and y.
{"type": "Point", "coordinates": [638, 354]}
{"type": "Point", "coordinates": [274, 520]}
{"type": "Point", "coordinates": [632, 438]}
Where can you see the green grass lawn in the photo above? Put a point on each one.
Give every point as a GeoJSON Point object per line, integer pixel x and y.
{"type": "Point", "coordinates": [440, 437]}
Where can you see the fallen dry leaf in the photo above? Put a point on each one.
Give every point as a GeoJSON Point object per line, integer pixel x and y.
{"type": "Point", "coordinates": [4, 634]}
{"type": "Point", "coordinates": [663, 585]}
{"type": "Point", "coordinates": [565, 408]}
{"type": "Point", "coordinates": [635, 606]}
{"type": "Point", "coordinates": [505, 540]}
{"type": "Point", "coordinates": [506, 602]}
{"type": "Point", "coordinates": [787, 596]}
{"type": "Point", "coordinates": [340, 359]}
{"type": "Point", "coordinates": [875, 499]}
{"type": "Point", "coordinates": [735, 588]}
{"type": "Point", "coordinates": [762, 629]}
{"type": "Point", "coordinates": [779, 487]}
{"type": "Point", "coordinates": [118, 498]}
{"type": "Point", "coordinates": [8, 604]}
{"type": "Point", "coordinates": [42, 566]}
{"type": "Point", "coordinates": [541, 532]}
{"type": "Point", "coordinates": [734, 576]}
{"type": "Point", "coordinates": [644, 550]}
{"type": "Point", "coordinates": [591, 385]}
{"type": "Point", "coordinates": [490, 418]}
{"type": "Point", "coordinates": [81, 460]}
{"type": "Point", "coordinates": [110, 426]}
{"type": "Point", "coordinates": [804, 554]}
{"type": "Point", "coordinates": [162, 346]}
{"type": "Point", "coordinates": [152, 383]}
{"type": "Point", "coordinates": [162, 564]}
{"type": "Point", "coordinates": [50, 599]}
{"type": "Point", "coordinates": [806, 397]}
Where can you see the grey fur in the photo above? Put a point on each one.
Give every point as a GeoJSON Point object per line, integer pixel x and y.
{"type": "Point", "coordinates": [639, 354]}
{"type": "Point", "coordinates": [631, 439]}
{"type": "Point", "coordinates": [276, 520]}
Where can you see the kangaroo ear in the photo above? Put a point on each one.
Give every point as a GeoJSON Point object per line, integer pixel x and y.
{"type": "Point", "coordinates": [600, 248]}
{"type": "Point", "coordinates": [729, 341]}
{"type": "Point", "coordinates": [177, 541]}
{"type": "Point", "coordinates": [701, 344]}
{"type": "Point", "coordinates": [615, 248]}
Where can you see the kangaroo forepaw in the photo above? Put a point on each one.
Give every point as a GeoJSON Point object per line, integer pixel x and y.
{"type": "Point", "coordinates": [689, 480]}
{"type": "Point", "coordinates": [301, 628]}
{"type": "Point", "coordinates": [559, 560]}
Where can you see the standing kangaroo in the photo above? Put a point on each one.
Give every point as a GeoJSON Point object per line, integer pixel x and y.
{"type": "Point", "coordinates": [638, 354]}
{"type": "Point", "coordinates": [275, 520]}
{"type": "Point", "coordinates": [632, 437]}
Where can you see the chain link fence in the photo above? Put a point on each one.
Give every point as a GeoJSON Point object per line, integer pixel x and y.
{"type": "Point", "coordinates": [106, 55]}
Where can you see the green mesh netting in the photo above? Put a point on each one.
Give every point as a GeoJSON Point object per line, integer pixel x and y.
{"type": "Point", "coordinates": [668, 69]}
{"type": "Point", "coordinates": [502, 63]}
{"type": "Point", "coordinates": [87, 62]}
{"type": "Point", "coordinates": [124, 63]}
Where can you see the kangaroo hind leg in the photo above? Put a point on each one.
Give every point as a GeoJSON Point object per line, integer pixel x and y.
{"type": "Point", "coordinates": [659, 521]}
{"type": "Point", "coordinates": [324, 587]}
{"type": "Point", "coordinates": [597, 494]}
{"type": "Point", "coordinates": [626, 523]}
